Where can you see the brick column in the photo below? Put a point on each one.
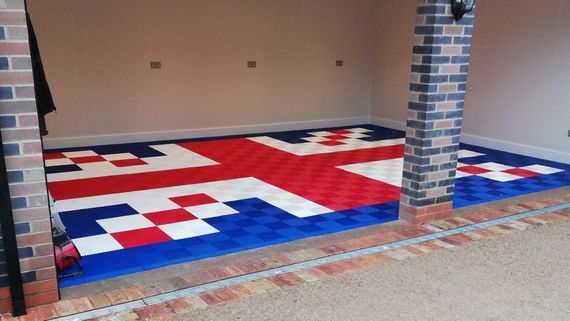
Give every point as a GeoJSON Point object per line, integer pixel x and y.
{"type": "Point", "coordinates": [435, 111]}
{"type": "Point", "coordinates": [24, 162]}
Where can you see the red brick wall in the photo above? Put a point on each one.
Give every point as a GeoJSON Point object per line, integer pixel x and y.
{"type": "Point", "coordinates": [24, 162]}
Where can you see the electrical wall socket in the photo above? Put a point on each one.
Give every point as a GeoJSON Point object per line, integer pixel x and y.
{"type": "Point", "coordinates": [340, 63]}
{"type": "Point", "coordinates": [568, 132]}
{"type": "Point", "coordinates": [251, 64]}
{"type": "Point", "coordinates": [155, 65]}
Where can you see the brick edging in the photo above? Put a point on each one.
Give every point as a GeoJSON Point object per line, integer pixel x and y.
{"type": "Point", "coordinates": [248, 289]}
{"type": "Point", "coordinates": [109, 298]}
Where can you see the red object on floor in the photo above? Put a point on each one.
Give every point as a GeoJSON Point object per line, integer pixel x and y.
{"type": "Point", "coordinates": [66, 255]}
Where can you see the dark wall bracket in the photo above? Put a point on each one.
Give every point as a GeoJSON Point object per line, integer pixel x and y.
{"type": "Point", "coordinates": [461, 7]}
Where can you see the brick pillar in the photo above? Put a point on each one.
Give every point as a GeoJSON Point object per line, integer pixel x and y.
{"type": "Point", "coordinates": [24, 162]}
{"type": "Point", "coordinates": [435, 111]}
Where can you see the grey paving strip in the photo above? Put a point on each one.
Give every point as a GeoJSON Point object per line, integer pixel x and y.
{"type": "Point", "coordinates": [160, 298]}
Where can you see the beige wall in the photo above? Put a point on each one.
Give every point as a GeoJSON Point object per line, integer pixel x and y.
{"type": "Point", "coordinates": [395, 20]}
{"type": "Point", "coordinates": [519, 95]}
{"type": "Point", "coordinates": [97, 54]}
{"type": "Point", "coordinates": [519, 74]}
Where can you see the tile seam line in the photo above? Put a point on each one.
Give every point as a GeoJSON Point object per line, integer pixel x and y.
{"type": "Point", "coordinates": [224, 283]}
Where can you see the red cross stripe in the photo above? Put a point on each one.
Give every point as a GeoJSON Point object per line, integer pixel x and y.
{"type": "Point", "coordinates": [314, 177]}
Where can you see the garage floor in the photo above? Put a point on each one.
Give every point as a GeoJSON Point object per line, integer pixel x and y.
{"type": "Point", "coordinates": [135, 207]}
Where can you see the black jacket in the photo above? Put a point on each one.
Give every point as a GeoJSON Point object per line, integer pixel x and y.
{"type": "Point", "coordinates": [44, 99]}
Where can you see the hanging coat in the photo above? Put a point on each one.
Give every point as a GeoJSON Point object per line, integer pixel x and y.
{"type": "Point", "coordinates": [44, 99]}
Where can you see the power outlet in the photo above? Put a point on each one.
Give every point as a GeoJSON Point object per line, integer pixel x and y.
{"type": "Point", "coordinates": [155, 65]}
{"type": "Point", "coordinates": [252, 64]}
{"type": "Point", "coordinates": [340, 63]}
{"type": "Point", "coordinates": [568, 132]}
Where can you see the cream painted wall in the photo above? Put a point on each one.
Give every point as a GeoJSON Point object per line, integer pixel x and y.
{"type": "Point", "coordinates": [519, 74]}
{"type": "Point", "coordinates": [395, 20]}
{"type": "Point", "coordinates": [97, 53]}
{"type": "Point", "coordinates": [519, 96]}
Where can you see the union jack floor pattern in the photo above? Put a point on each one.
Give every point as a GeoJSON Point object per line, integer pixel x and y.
{"type": "Point", "coordinates": [134, 207]}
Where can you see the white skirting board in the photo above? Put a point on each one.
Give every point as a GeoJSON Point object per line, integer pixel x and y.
{"type": "Point", "coordinates": [51, 143]}
{"type": "Point", "coordinates": [389, 123]}
{"type": "Point", "coordinates": [492, 143]}
{"type": "Point", "coordinates": [516, 148]}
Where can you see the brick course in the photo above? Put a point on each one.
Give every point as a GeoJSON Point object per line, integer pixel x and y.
{"type": "Point", "coordinates": [24, 162]}
{"type": "Point", "coordinates": [345, 243]}
{"type": "Point", "coordinates": [435, 111]}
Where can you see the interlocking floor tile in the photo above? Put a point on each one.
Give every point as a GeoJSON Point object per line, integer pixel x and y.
{"type": "Point", "coordinates": [134, 207]}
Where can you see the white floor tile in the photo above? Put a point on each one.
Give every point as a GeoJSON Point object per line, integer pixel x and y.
{"type": "Point", "coordinates": [500, 176]}
{"type": "Point", "coordinates": [223, 191]}
{"type": "Point", "coordinates": [464, 153]}
{"type": "Point", "coordinates": [356, 135]}
{"type": "Point", "coordinates": [542, 169]}
{"type": "Point", "coordinates": [210, 210]}
{"type": "Point", "coordinates": [176, 157]}
{"type": "Point", "coordinates": [182, 230]}
{"type": "Point", "coordinates": [461, 174]}
{"type": "Point", "coordinates": [313, 148]}
{"type": "Point", "coordinates": [494, 166]}
{"type": "Point", "coordinates": [119, 156]}
{"type": "Point", "coordinates": [319, 133]}
{"type": "Point", "coordinates": [59, 162]}
{"type": "Point", "coordinates": [387, 171]}
{"type": "Point", "coordinates": [315, 139]}
{"type": "Point", "coordinates": [359, 130]}
{"type": "Point", "coordinates": [125, 223]}
{"type": "Point", "coordinates": [81, 153]}
{"type": "Point", "coordinates": [96, 244]}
